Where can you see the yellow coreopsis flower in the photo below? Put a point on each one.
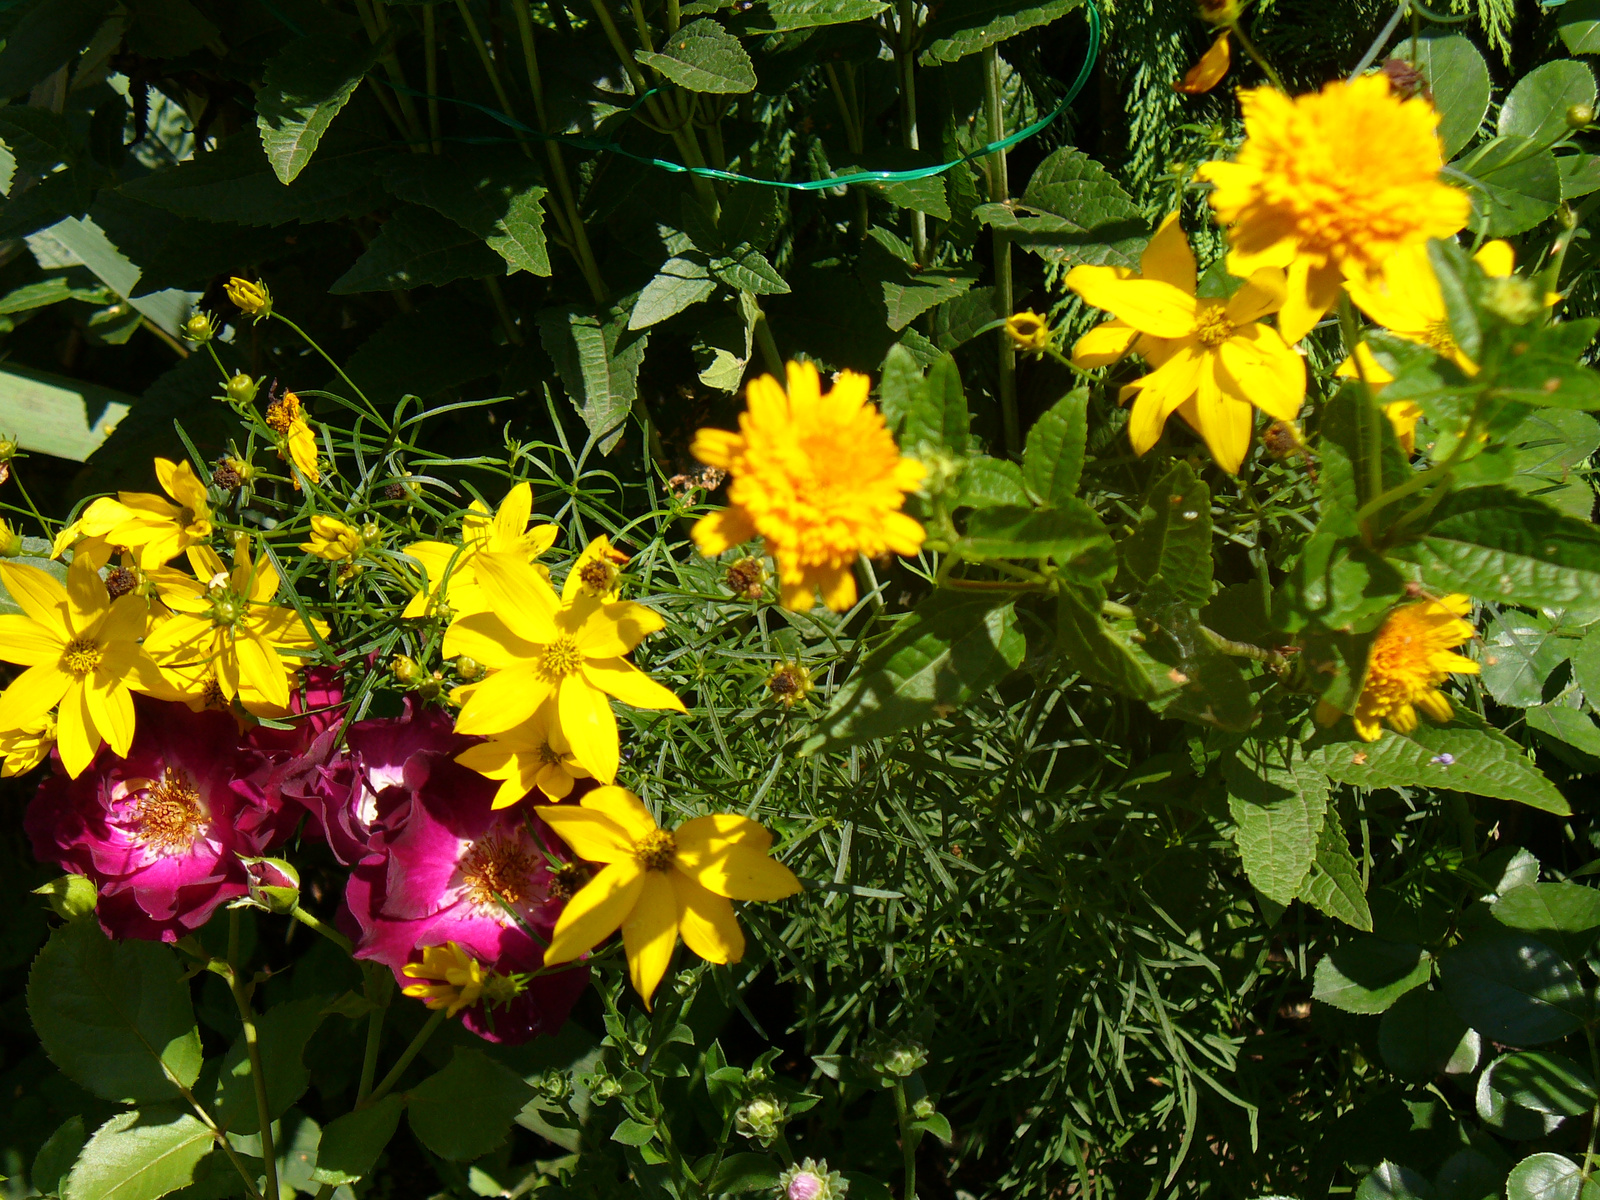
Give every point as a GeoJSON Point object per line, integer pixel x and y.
{"type": "Point", "coordinates": [1213, 359]}
{"type": "Point", "coordinates": [249, 297]}
{"type": "Point", "coordinates": [1029, 331]}
{"type": "Point", "coordinates": [332, 539]}
{"type": "Point", "coordinates": [297, 444]}
{"type": "Point", "coordinates": [81, 650]}
{"type": "Point", "coordinates": [157, 528]}
{"type": "Point", "coordinates": [225, 637]}
{"type": "Point", "coordinates": [536, 647]}
{"type": "Point", "coordinates": [1410, 657]}
{"type": "Point", "coordinates": [505, 531]}
{"type": "Point", "coordinates": [819, 477]}
{"type": "Point", "coordinates": [534, 754]}
{"type": "Point", "coordinates": [1329, 185]}
{"type": "Point", "coordinates": [457, 980]}
{"type": "Point", "coordinates": [24, 749]}
{"type": "Point", "coordinates": [657, 885]}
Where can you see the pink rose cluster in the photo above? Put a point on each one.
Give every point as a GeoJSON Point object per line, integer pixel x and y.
{"type": "Point", "coordinates": [164, 832]}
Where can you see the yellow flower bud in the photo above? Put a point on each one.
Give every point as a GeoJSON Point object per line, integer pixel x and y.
{"type": "Point", "coordinates": [242, 389]}
{"type": "Point", "coordinates": [467, 667]}
{"type": "Point", "coordinates": [404, 669]}
{"type": "Point", "coordinates": [1580, 116]}
{"type": "Point", "coordinates": [249, 297]}
{"type": "Point", "coordinates": [8, 449]}
{"type": "Point", "coordinates": [1029, 331]}
{"type": "Point", "coordinates": [10, 540]}
{"type": "Point", "coordinates": [198, 328]}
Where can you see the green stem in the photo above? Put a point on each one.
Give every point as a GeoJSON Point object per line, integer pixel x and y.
{"type": "Point", "coordinates": [999, 193]}
{"type": "Point", "coordinates": [908, 1141]}
{"type": "Point", "coordinates": [252, 1044]}
{"type": "Point", "coordinates": [1550, 278]}
{"type": "Point", "coordinates": [430, 43]}
{"type": "Point", "coordinates": [372, 409]}
{"type": "Point", "coordinates": [1249, 48]}
{"type": "Point", "coordinates": [322, 927]}
{"type": "Point", "coordinates": [769, 346]}
{"type": "Point", "coordinates": [905, 47]}
{"type": "Point", "coordinates": [404, 1061]}
{"type": "Point", "coordinates": [1594, 1113]}
{"type": "Point", "coordinates": [369, 1059]}
{"type": "Point", "coordinates": [503, 310]}
{"type": "Point", "coordinates": [1370, 480]}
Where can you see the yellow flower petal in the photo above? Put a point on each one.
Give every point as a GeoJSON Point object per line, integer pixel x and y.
{"type": "Point", "coordinates": [1261, 370]}
{"type": "Point", "coordinates": [112, 709]}
{"type": "Point", "coordinates": [1311, 292]}
{"type": "Point", "coordinates": [504, 699]}
{"type": "Point", "coordinates": [33, 694]}
{"type": "Point", "coordinates": [650, 933]}
{"type": "Point", "coordinates": [592, 834]}
{"type": "Point", "coordinates": [741, 873]}
{"type": "Point", "coordinates": [1149, 305]}
{"type": "Point", "coordinates": [627, 683]}
{"type": "Point", "coordinates": [588, 723]}
{"type": "Point", "coordinates": [26, 642]}
{"type": "Point", "coordinates": [1104, 344]}
{"type": "Point", "coordinates": [76, 735]}
{"type": "Point", "coordinates": [612, 630]}
{"type": "Point", "coordinates": [1160, 393]}
{"type": "Point", "coordinates": [1263, 293]}
{"type": "Point", "coordinates": [1222, 420]}
{"type": "Point", "coordinates": [38, 595]}
{"type": "Point", "coordinates": [1168, 258]}
{"type": "Point", "coordinates": [518, 595]}
{"type": "Point", "coordinates": [624, 808]}
{"type": "Point", "coordinates": [484, 636]}
{"type": "Point", "coordinates": [722, 530]}
{"type": "Point", "coordinates": [704, 837]}
{"type": "Point", "coordinates": [1497, 258]}
{"type": "Point", "coordinates": [594, 914]}
{"type": "Point", "coordinates": [511, 518]}
{"type": "Point", "coordinates": [706, 921]}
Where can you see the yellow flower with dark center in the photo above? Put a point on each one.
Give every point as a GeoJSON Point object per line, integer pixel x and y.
{"type": "Point", "coordinates": [819, 477]}
{"type": "Point", "coordinates": [596, 572]}
{"type": "Point", "coordinates": [158, 528]}
{"type": "Point", "coordinates": [1411, 656]}
{"type": "Point", "coordinates": [1029, 331]}
{"type": "Point", "coordinates": [451, 581]}
{"type": "Point", "coordinates": [297, 444]}
{"type": "Point", "coordinates": [332, 539]}
{"type": "Point", "coordinates": [790, 683]}
{"type": "Point", "coordinates": [536, 648]}
{"type": "Point", "coordinates": [657, 885]}
{"type": "Point", "coordinates": [457, 980]}
{"type": "Point", "coordinates": [249, 297]}
{"type": "Point", "coordinates": [225, 636]}
{"type": "Point", "coordinates": [1329, 185]}
{"type": "Point", "coordinates": [534, 754]}
{"type": "Point", "coordinates": [1213, 359]}
{"type": "Point", "coordinates": [24, 749]}
{"type": "Point", "coordinates": [81, 650]}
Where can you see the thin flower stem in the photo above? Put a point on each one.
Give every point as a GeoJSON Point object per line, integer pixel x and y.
{"type": "Point", "coordinates": [369, 1059]}
{"type": "Point", "coordinates": [908, 1141]}
{"type": "Point", "coordinates": [322, 927]}
{"type": "Point", "coordinates": [1256, 57]}
{"type": "Point", "coordinates": [1379, 42]}
{"type": "Point", "coordinates": [999, 193]}
{"type": "Point", "coordinates": [252, 1044]}
{"type": "Point", "coordinates": [404, 1061]}
{"type": "Point", "coordinates": [176, 346]}
{"type": "Point", "coordinates": [905, 77]}
{"type": "Point", "coordinates": [1369, 481]}
{"type": "Point", "coordinates": [430, 59]}
{"type": "Point", "coordinates": [507, 322]}
{"type": "Point", "coordinates": [372, 410]}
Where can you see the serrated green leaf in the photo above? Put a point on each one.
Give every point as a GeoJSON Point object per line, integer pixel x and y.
{"type": "Point", "coordinates": [1556, 913]}
{"type": "Point", "coordinates": [786, 15]}
{"type": "Point", "coordinates": [1519, 652]}
{"type": "Point", "coordinates": [1173, 539]}
{"type": "Point", "coordinates": [466, 1110]}
{"type": "Point", "coordinates": [598, 359]}
{"type": "Point", "coordinates": [1391, 1181]}
{"type": "Point", "coordinates": [139, 1155]}
{"type": "Point", "coordinates": [1106, 652]}
{"type": "Point", "coordinates": [56, 1156]}
{"type": "Point", "coordinates": [1513, 988]}
{"type": "Point", "coordinates": [1572, 726]}
{"type": "Point", "coordinates": [987, 482]}
{"type": "Point", "coordinates": [908, 294]}
{"type": "Point", "coordinates": [418, 247]}
{"type": "Point", "coordinates": [1458, 79]}
{"type": "Point", "coordinates": [937, 416]}
{"type": "Point", "coordinates": [1333, 885]}
{"type": "Point", "coordinates": [1278, 809]}
{"type": "Point", "coordinates": [1495, 544]}
{"type": "Point", "coordinates": [1514, 183]}
{"type": "Point", "coordinates": [1545, 1082]}
{"type": "Point", "coordinates": [1072, 533]}
{"type": "Point", "coordinates": [1073, 212]}
{"type": "Point", "coordinates": [740, 1173]}
{"type": "Point", "coordinates": [1368, 974]}
{"type": "Point", "coordinates": [167, 28]}
{"type": "Point", "coordinates": [304, 88]}
{"type": "Point", "coordinates": [1544, 1177]}
{"type": "Point", "coordinates": [963, 27]}
{"type": "Point", "coordinates": [1052, 460]}
{"type": "Point", "coordinates": [1578, 23]}
{"type": "Point", "coordinates": [1580, 174]}
{"type": "Point", "coordinates": [37, 138]}
{"type": "Point", "coordinates": [1421, 1036]}
{"type": "Point", "coordinates": [703, 57]}
{"type": "Point", "coordinates": [499, 200]}
{"type": "Point", "coordinates": [745, 269]}
{"type": "Point", "coordinates": [681, 283]}
{"type": "Point", "coordinates": [351, 1144]}
{"type": "Point", "coordinates": [48, 37]}
{"type": "Point", "coordinates": [1537, 105]}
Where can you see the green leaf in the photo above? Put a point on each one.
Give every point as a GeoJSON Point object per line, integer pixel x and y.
{"type": "Point", "coordinates": [304, 87]}
{"type": "Point", "coordinates": [1568, 725]}
{"type": "Point", "coordinates": [1459, 80]}
{"type": "Point", "coordinates": [282, 1033]}
{"type": "Point", "coordinates": [1519, 652]}
{"type": "Point", "coordinates": [1333, 884]}
{"type": "Point", "coordinates": [167, 28]}
{"type": "Point", "coordinates": [938, 1125]}
{"type": "Point", "coordinates": [1580, 174]}
{"type": "Point", "coordinates": [418, 247]}
{"type": "Point", "coordinates": [1052, 461]}
{"type": "Point", "coordinates": [1368, 974]}
{"type": "Point", "coordinates": [1495, 544]}
{"type": "Point", "coordinates": [740, 1173]}
{"type": "Point", "coordinates": [1562, 915]}
{"type": "Point", "coordinates": [746, 269]}
{"type": "Point", "coordinates": [1541, 370]}
{"type": "Point", "coordinates": [786, 15]}
{"type": "Point", "coordinates": [598, 359]}
{"type": "Point", "coordinates": [1506, 1119]}
{"type": "Point", "coordinates": [1073, 212]}
{"type": "Point", "coordinates": [114, 1016]}
{"type": "Point", "coordinates": [139, 1155]}
{"type": "Point", "coordinates": [1071, 535]}
{"type": "Point", "coordinates": [56, 1156]}
{"type": "Point", "coordinates": [1471, 1175]}
{"type": "Point", "coordinates": [1514, 989]}
{"type": "Point", "coordinates": [1173, 540]}
{"type": "Point", "coordinates": [1586, 664]}
{"type": "Point", "coordinates": [466, 1110]}
{"type": "Point", "coordinates": [1421, 1036]}
{"type": "Point", "coordinates": [49, 36]}
{"type": "Point", "coordinates": [937, 415]}
{"type": "Point", "coordinates": [1551, 443]}
{"type": "Point", "coordinates": [38, 138]}
{"type": "Point", "coordinates": [987, 482]}
{"type": "Point", "coordinates": [1390, 1181]}
{"type": "Point", "coordinates": [963, 27]}
{"type": "Point", "coordinates": [908, 294]}
{"type": "Point", "coordinates": [953, 647]}
{"type": "Point", "coordinates": [1537, 106]}
{"type": "Point", "coordinates": [1278, 809]}
{"type": "Point", "coordinates": [703, 57]}
{"type": "Point", "coordinates": [1481, 760]}
{"type": "Point", "coordinates": [1544, 1177]}
{"type": "Point", "coordinates": [1107, 652]}
{"type": "Point", "coordinates": [495, 198]}
{"type": "Point", "coordinates": [681, 283]}
{"type": "Point", "coordinates": [633, 1133]}
{"type": "Point", "coordinates": [351, 1144]}
{"type": "Point", "coordinates": [1514, 184]}
{"type": "Point", "coordinates": [1579, 26]}
{"type": "Point", "coordinates": [1545, 1082]}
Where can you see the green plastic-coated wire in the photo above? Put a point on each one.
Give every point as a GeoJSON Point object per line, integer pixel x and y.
{"type": "Point", "coordinates": [809, 185]}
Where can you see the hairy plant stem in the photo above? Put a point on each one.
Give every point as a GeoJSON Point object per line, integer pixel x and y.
{"type": "Point", "coordinates": [252, 1042]}
{"type": "Point", "coordinates": [905, 76]}
{"type": "Point", "coordinates": [404, 1061]}
{"type": "Point", "coordinates": [908, 1141]}
{"type": "Point", "coordinates": [999, 193]}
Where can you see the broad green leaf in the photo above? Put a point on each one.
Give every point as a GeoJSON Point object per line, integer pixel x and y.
{"type": "Point", "coordinates": [633, 1133]}
{"type": "Point", "coordinates": [1333, 884]}
{"type": "Point", "coordinates": [1537, 106]}
{"type": "Point", "coordinates": [114, 1016]}
{"type": "Point", "coordinates": [1544, 1177]}
{"type": "Point", "coordinates": [1072, 535]}
{"type": "Point", "coordinates": [282, 1033]}
{"type": "Point", "coordinates": [1421, 1036]}
{"type": "Point", "coordinates": [703, 57]}
{"type": "Point", "coordinates": [1278, 810]}
{"type": "Point", "coordinates": [745, 269]}
{"type": "Point", "coordinates": [927, 195]}
{"type": "Point", "coordinates": [950, 649]}
{"type": "Point", "coordinates": [351, 1144]}
{"type": "Point", "coordinates": [1072, 212]}
{"type": "Point", "coordinates": [681, 283]}
{"type": "Point", "coordinates": [495, 197]}
{"type": "Point", "coordinates": [1541, 370]}
{"type": "Point", "coordinates": [1052, 461]}
{"type": "Point", "coordinates": [50, 290]}
{"type": "Point", "coordinates": [740, 1173]}
{"type": "Point", "coordinates": [1211, 688]}
{"type": "Point", "coordinates": [786, 15]}
{"type": "Point", "coordinates": [304, 87]}
{"type": "Point", "coordinates": [1514, 989]}
{"type": "Point", "coordinates": [466, 1110]}
{"type": "Point", "coordinates": [1390, 1181]}
{"type": "Point", "coordinates": [988, 482]}
{"type": "Point", "coordinates": [1466, 755]}
{"type": "Point", "coordinates": [1563, 915]}
{"type": "Point", "coordinates": [1459, 81]}
{"type": "Point", "coordinates": [1495, 544]}
{"type": "Point", "coordinates": [1572, 726]}
{"type": "Point", "coordinates": [1471, 1175]}
{"type": "Point", "coordinates": [418, 247]}
{"type": "Point", "coordinates": [937, 417]}
{"type": "Point", "coordinates": [908, 294]}
{"type": "Point", "coordinates": [139, 1155]}
{"type": "Point", "coordinates": [1506, 1119]}
{"type": "Point", "coordinates": [1107, 652]}
{"type": "Point", "coordinates": [1578, 23]}
{"type": "Point", "coordinates": [1514, 184]}
{"type": "Point", "coordinates": [1545, 1082]}
{"type": "Point", "coordinates": [598, 359]}
{"type": "Point", "coordinates": [963, 27]}
{"type": "Point", "coordinates": [1368, 974]}
{"type": "Point", "coordinates": [1586, 664]}
{"type": "Point", "coordinates": [168, 28]}
{"type": "Point", "coordinates": [56, 1156]}
{"type": "Point", "coordinates": [1580, 174]}
{"type": "Point", "coordinates": [48, 37]}
{"type": "Point", "coordinates": [37, 138]}
{"type": "Point", "coordinates": [900, 386]}
{"type": "Point", "coordinates": [1551, 443]}
{"type": "Point", "coordinates": [1173, 539]}
{"type": "Point", "coordinates": [1519, 652]}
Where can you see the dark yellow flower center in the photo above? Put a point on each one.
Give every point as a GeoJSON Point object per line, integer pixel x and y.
{"type": "Point", "coordinates": [170, 813]}
{"type": "Point", "coordinates": [568, 878]}
{"type": "Point", "coordinates": [1212, 327]}
{"type": "Point", "coordinates": [82, 656]}
{"type": "Point", "coordinates": [655, 850]}
{"type": "Point", "coordinates": [498, 869]}
{"type": "Point", "coordinates": [1436, 337]}
{"type": "Point", "coordinates": [216, 700]}
{"type": "Point", "coordinates": [597, 576]}
{"type": "Point", "coordinates": [561, 657]}
{"type": "Point", "coordinates": [548, 755]}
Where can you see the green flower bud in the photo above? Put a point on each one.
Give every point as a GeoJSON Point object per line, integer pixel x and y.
{"type": "Point", "coordinates": [1580, 115]}
{"type": "Point", "coordinates": [405, 670]}
{"type": "Point", "coordinates": [198, 328]}
{"type": "Point", "coordinates": [10, 540]}
{"type": "Point", "coordinates": [467, 667]}
{"type": "Point", "coordinates": [242, 389]}
{"type": "Point", "coordinates": [72, 896]}
{"type": "Point", "coordinates": [900, 1057]}
{"type": "Point", "coordinates": [762, 1118]}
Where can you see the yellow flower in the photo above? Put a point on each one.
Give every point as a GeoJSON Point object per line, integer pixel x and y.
{"type": "Point", "coordinates": [536, 648]}
{"type": "Point", "coordinates": [819, 477]}
{"type": "Point", "coordinates": [81, 650]}
{"type": "Point", "coordinates": [1213, 358]}
{"type": "Point", "coordinates": [1208, 72]}
{"type": "Point", "coordinates": [1410, 657]}
{"type": "Point", "coordinates": [249, 297]}
{"type": "Point", "coordinates": [24, 749]}
{"type": "Point", "coordinates": [534, 754]}
{"type": "Point", "coordinates": [224, 636]}
{"type": "Point", "coordinates": [790, 683]}
{"type": "Point", "coordinates": [10, 539]}
{"type": "Point", "coordinates": [657, 885]}
{"type": "Point", "coordinates": [459, 980]}
{"type": "Point", "coordinates": [449, 568]}
{"type": "Point", "coordinates": [159, 529]}
{"type": "Point", "coordinates": [296, 442]}
{"type": "Point", "coordinates": [332, 539]}
{"type": "Point", "coordinates": [595, 573]}
{"type": "Point", "coordinates": [1330, 184]}
{"type": "Point", "coordinates": [1029, 331]}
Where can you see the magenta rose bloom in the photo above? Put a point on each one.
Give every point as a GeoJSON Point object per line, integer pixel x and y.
{"type": "Point", "coordinates": [160, 832]}
{"type": "Point", "coordinates": [456, 870]}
